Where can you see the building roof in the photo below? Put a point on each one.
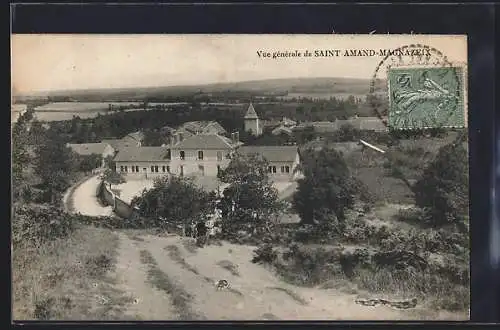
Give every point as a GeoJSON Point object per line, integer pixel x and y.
{"type": "Point", "coordinates": [282, 129]}
{"type": "Point", "coordinates": [288, 122]}
{"type": "Point", "coordinates": [272, 153]}
{"type": "Point", "coordinates": [251, 114]}
{"type": "Point", "coordinates": [202, 127]}
{"type": "Point", "coordinates": [141, 154]}
{"type": "Point", "coordinates": [88, 148]}
{"type": "Point", "coordinates": [137, 136]}
{"type": "Point", "coordinates": [118, 144]}
{"type": "Point", "coordinates": [205, 141]}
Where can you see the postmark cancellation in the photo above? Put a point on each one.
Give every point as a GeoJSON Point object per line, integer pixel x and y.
{"type": "Point", "coordinates": [427, 96]}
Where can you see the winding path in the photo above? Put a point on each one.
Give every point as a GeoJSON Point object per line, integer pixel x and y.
{"type": "Point", "coordinates": [84, 199]}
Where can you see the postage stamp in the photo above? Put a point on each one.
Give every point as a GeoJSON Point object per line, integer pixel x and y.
{"type": "Point", "coordinates": [425, 97]}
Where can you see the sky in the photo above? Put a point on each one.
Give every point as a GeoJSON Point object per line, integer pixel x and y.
{"type": "Point", "coordinates": [67, 62]}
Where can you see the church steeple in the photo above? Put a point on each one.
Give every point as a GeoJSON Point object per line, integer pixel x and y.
{"type": "Point", "coordinates": [251, 114]}
{"type": "Point", "coordinates": [252, 121]}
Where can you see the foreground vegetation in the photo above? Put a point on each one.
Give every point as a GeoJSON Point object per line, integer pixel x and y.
{"type": "Point", "coordinates": [60, 262]}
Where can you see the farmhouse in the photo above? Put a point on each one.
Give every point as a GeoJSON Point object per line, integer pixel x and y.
{"type": "Point", "coordinates": [86, 149]}
{"type": "Point", "coordinates": [143, 162]}
{"type": "Point", "coordinates": [283, 160]}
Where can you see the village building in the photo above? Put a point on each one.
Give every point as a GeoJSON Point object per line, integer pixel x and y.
{"type": "Point", "coordinates": [85, 149]}
{"type": "Point", "coordinates": [118, 144]}
{"type": "Point", "coordinates": [199, 155]}
{"type": "Point", "coordinates": [143, 162]}
{"type": "Point", "coordinates": [134, 138]}
{"type": "Point", "coordinates": [283, 161]}
{"type": "Point", "coordinates": [282, 130]}
{"type": "Point", "coordinates": [200, 149]}
{"type": "Point", "coordinates": [191, 128]}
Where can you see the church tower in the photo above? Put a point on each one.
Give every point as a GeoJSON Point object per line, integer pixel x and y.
{"type": "Point", "coordinates": [252, 122]}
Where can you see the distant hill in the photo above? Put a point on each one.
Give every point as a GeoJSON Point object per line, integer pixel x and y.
{"type": "Point", "coordinates": [290, 85]}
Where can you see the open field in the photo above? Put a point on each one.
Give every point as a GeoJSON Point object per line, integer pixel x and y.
{"type": "Point", "coordinates": [82, 106]}
{"type": "Point", "coordinates": [322, 95]}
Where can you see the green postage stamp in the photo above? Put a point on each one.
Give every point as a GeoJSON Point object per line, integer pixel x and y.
{"type": "Point", "coordinates": [426, 97]}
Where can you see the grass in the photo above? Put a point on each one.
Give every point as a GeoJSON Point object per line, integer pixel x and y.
{"type": "Point", "coordinates": [180, 298]}
{"type": "Point", "coordinates": [175, 254]}
{"type": "Point", "coordinates": [229, 266]}
{"type": "Point", "coordinates": [67, 279]}
{"type": "Point", "coordinates": [292, 294]}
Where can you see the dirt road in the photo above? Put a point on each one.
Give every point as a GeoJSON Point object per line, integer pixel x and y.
{"type": "Point", "coordinates": [84, 199]}
{"type": "Point", "coordinates": [171, 279]}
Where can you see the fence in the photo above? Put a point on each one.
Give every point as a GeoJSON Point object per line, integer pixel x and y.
{"type": "Point", "coordinates": [121, 208]}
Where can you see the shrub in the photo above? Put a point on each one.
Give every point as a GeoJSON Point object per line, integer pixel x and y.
{"type": "Point", "coordinates": [265, 254]}
{"type": "Point", "coordinates": [38, 224]}
{"type": "Point", "coordinates": [443, 188]}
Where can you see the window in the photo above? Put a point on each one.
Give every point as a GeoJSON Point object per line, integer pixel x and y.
{"type": "Point", "coordinates": [282, 169]}
{"type": "Point", "coordinates": [126, 168]}
{"type": "Point", "coordinates": [219, 155]}
{"type": "Point", "coordinates": [201, 169]}
{"type": "Point", "coordinates": [152, 169]}
{"type": "Point", "coordinates": [133, 168]}
{"type": "Point", "coordinates": [168, 169]}
{"type": "Point", "coordinates": [287, 169]}
{"type": "Point", "coordinates": [182, 170]}
{"type": "Point", "coordinates": [169, 154]}
{"type": "Point", "coordinates": [274, 169]}
{"type": "Point", "coordinates": [200, 155]}
{"type": "Point", "coordinates": [270, 169]}
{"type": "Point", "coordinates": [182, 155]}
{"type": "Point", "coordinates": [137, 168]}
{"type": "Point", "coordinates": [121, 169]}
{"type": "Point", "coordinates": [218, 169]}
{"type": "Point", "coordinates": [163, 168]}
{"type": "Point", "coordinates": [156, 169]}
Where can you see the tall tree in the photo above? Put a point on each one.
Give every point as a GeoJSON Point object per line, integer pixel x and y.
{"type": "Point", "coordinates": [175, 199]}
{"type": "Point", "coordinates": [250, 198]}
{"type": "Point", "coordinates": [54, 164]}
{"type": "Point", "coordinates": [327, 189]}
{"type": "Point", "coordinates": [443, 188]}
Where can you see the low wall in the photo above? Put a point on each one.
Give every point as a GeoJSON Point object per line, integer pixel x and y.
{"type": "Point", "coordinates": [107, 195]}
{"type": "Point", "coordinates": [121, 208]}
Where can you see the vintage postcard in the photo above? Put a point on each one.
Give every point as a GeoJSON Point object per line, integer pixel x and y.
{"type": "Point", "coordinates": [240, 177]}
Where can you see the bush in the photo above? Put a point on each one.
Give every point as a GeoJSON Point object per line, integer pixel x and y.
{"type": "Point", "coordinates": [443, 188]}
{"type": "Point", "coordinates": [265, 254]}
{"type": "Point", "coordinates": [38, 224]}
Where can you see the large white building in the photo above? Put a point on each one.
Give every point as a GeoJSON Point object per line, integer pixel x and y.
{"type": "Point", "coordinates": [201, 155]}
